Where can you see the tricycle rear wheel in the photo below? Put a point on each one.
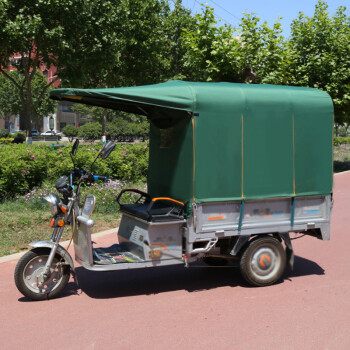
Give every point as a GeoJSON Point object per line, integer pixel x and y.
{"type": "Point", "coordinates": [28, 270]}
{"type": "Point", "coordinates": [263, 261]}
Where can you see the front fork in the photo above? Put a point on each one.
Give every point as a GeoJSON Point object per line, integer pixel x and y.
{"type": "Point", "coordinates": [56, 236]}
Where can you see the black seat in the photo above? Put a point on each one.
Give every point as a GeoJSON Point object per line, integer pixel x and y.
{"type": "Point", "coordinates": [159, 211]}
{"type": "Point", "coordinates": [152, 209]}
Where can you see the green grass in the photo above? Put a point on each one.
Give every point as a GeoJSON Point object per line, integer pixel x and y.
{"type": "Point", "coordinates": [23, 222]}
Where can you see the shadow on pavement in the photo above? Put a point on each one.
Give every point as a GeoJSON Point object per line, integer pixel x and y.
{"type": "Point", "coordinates": [303, 267]}
{"type": "Point", "coordinates": [71, 289]}
{"type": "Point", "coordinates": [123, 283]}
{"type": "Point", "coordinates": [339, 166]}
{"type": "Point", "coordinates": [104, 285]}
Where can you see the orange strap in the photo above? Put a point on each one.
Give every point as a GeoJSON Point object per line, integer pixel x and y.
{"type": "Point", "coordinates": [167, 199]}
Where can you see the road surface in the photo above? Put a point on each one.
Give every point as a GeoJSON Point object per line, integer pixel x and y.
{"type": "Point", "coordinates": [198, 308]}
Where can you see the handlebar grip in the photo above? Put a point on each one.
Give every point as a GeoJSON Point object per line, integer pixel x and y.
{"type": "Point", "coordinates": [98, 177]}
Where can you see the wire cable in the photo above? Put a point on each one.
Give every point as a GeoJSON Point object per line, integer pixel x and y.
{"type": "Point", "coordinates": [224, 9]}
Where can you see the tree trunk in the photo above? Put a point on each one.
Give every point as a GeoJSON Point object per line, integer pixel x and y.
{"type": "Point", "coordinates": [22, 122]}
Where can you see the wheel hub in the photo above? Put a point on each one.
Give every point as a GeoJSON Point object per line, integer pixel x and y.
{"type": "Point", "coordinates": [33, 275]}
{"type": "Point", "coordinates": [264, 262]}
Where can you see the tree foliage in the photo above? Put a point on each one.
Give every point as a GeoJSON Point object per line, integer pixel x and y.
{"type": "Point", "coordinates": [74, 36]}
{"type": "Point", "coordinates": [115, 43]}
{"type": "Point", "coordinates": [316, 54]}
{"type": "Point", "coordinates": [210, 50]}
{"type": "Point", "coordinates": [70, 132]}
{"type": "Point", "coordinates": [90, 131]}
{"type": "Point", "coordinates": [224, 53]}
{"type": "Point", "coordinates": [319, 53]}
{"type": "Point", "coordinates": [121, 129]}
{"type": "Point", "coordinates": [11, 102]}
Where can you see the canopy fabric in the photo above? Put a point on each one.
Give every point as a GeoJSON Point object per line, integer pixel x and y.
{"type": "Point", "coordinates": [226, 141]}
{"type": "Point", "coordinates": [177, 95]}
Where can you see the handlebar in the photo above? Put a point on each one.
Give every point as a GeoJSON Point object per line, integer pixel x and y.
{"type": "Point", "coordinates": [98, 177]}
{"type": "Point", "coordinates": [83, 177]}
{"type": "Point", "coordinates": [92, 178]}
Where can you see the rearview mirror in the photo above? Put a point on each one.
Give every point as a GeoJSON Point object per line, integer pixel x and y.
{"type": "Point", "coordinates": [107, 149]}
{"type": "Point", "coordinates": [75, 147]}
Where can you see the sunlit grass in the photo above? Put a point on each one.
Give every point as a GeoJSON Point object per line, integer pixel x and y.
{"type": "Point", "coordinates": [27, 219]}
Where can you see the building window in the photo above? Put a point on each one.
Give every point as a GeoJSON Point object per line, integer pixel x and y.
{"type": "Point", "coordinates": [65, 108]}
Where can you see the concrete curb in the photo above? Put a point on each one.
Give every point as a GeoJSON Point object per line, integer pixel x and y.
{"type": "Point", "coordinates": [342, 172]}
{"type": "Point", "coordinates": [64, 244]}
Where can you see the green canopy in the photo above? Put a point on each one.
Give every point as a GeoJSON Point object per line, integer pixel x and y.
{"type": "Point", "coordinates": [226, 141]}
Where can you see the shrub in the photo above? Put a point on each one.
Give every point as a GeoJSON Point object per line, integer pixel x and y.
{"type": "Point", "coordinates": [24, 167]}
{"type": "Point", "coordinates": [4, 133]}
{"type": "Point", "coordinates": [20, 134]}
{"type": "Point", "coordinates": [5, 141]}
{"type": "Point", "coordinates": [122, 130]}
{"type": "Point", "coordinates": [90, 131]}
{"type": "Point", "coordinates": [105, 193]}
{"type": "Point", "coordinates": [70, 132]}
{"type": "Point", "coordinates": [118, 127]}
{"type": "Point", "coordinates": [341, 141]}
{"type": "Point", "coordinates": [21, 168]}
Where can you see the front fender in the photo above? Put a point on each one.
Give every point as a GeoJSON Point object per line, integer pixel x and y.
{"type": "Point", "coordinates": [60, 251]}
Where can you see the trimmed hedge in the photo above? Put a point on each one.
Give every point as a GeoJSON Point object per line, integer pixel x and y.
{"type": "Point", "coordinates": [341, 141]}
{"type": "Point", "coordinates": [23, 166]}
{"type": "Point", "coordinates": [6, 140]}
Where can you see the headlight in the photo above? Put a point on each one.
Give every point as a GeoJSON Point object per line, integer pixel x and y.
{"type": "Point", "coordinates": [53, 199]}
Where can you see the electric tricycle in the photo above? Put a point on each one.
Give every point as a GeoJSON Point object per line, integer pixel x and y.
{"type": "Point", "coordinates": [233, 170]}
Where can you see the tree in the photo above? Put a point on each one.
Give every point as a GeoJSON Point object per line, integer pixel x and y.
{"type": "Point", "coordinates": [141, 43]}
{"type": "Point", "coordinates": [148, 49]}
{"type": "Point", "coordinates": [319, 55]}
{"type": "Point", "coordinates": [128, 126]}
{"type": "Point", "coordinates": [70, 132]}
{"type": "Point", "coordinates": [262, 49]}
{"type": "Point", "coordinates": [249, 53]}
{"type": "Point", "coordinates": [10, 101]}
{"type": "Point", "coordinates": [90, 131]}
{"type": "Point", "coordinates": [174, 22]}
{"type": "Point", "coordinates": [77, 37]}
{"type": "Point", "coordinates": [210, 50]}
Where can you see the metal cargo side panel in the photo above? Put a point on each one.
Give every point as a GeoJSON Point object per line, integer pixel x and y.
{"type": "Point", "coordinates": [310, 208]}
{"type": "Point", "coordinates": [217, 216]}
{"type": "Point", "coordinates": [274, 211]}
{"type": "Point", "coordinates": [263, 215]}
{"type": "Point", "coordinates": [142, 237]}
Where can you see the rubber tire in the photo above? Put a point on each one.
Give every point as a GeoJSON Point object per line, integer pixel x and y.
{"type": "Point", "coordinates": [211, 261]}
{"type": "Point", "coordinates": [253, 247]}
{"type": "Point", "coordinates": [21, 265]}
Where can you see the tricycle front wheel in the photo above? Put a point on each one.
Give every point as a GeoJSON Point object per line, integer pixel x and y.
{"type": "Point", "coordinates": [263, 261]}
{"type": "Point", "coordinates": [28, 271]}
